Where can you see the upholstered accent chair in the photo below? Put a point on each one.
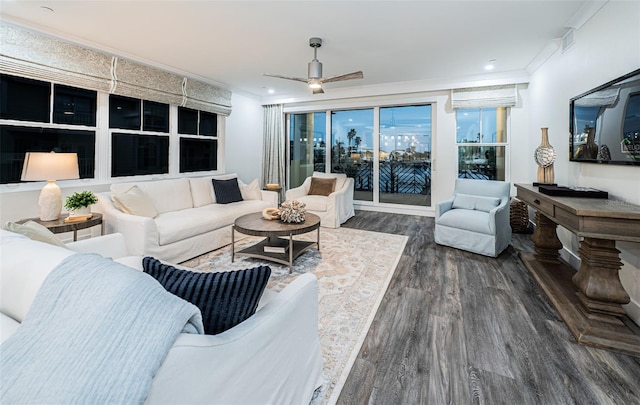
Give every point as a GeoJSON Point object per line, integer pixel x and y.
{"type": "Point", "coordinates": [328, 195]}
{"type": "Point", "coordinates": [476, 217]}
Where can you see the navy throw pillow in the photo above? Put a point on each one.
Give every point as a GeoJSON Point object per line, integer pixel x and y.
{"type": "Point", "coordinates": [225, 299]}
{"type": "Point", "coordinates": [227, 191]}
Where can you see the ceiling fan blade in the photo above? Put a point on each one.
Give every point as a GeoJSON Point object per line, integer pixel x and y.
{"type": "Point", "coordinates": [298, 79]}
{"type": "Point", "coordinates": [348, 76]}
{"type": "Point", "coordinates": [318, 91]}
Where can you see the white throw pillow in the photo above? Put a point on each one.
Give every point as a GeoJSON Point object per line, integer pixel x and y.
{"type": "Point", "coordinates": [34, 231]}
{"type": "Point", "coordinates": [251, 191]}
{"type": "Point", "coordinates": [135, 202]}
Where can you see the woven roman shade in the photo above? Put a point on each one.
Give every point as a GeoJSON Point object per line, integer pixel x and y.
{"type": "Point", "coordinates": [485, 97]}
{"type": "Point", "coordinates": [29, 54]}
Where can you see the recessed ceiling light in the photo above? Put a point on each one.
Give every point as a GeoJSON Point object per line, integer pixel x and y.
{"type": "Point", "coordinates": [490, 65]}
{"type": "Point", "coordinates": [271, 91]}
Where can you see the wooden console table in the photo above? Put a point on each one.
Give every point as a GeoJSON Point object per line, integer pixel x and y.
{"type": "Point", "coordinates": [590, 300]}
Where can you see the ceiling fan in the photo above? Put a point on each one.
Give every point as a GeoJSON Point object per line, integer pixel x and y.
{"type": "Point", "coordinates": [315, 79]}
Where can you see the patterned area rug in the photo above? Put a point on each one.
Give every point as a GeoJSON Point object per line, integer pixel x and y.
{"type": "Point", "coordinates": [353, 268]}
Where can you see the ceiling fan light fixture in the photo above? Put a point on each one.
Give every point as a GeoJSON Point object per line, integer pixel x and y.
{"type": "Point", "coordinates": [315, 84]}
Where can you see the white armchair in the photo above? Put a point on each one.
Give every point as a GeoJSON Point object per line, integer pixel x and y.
{"type": "Point", "coordinates": [334, 209]}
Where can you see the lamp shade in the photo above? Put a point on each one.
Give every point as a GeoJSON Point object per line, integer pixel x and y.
{"type": "Point", "coordinates": [50, 166]}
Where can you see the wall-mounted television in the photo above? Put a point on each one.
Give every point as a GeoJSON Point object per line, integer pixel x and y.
{"type": "Point", "coordinates": [605, 123]}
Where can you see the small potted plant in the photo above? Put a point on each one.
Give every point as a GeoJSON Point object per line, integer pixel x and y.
{"type": "Point", "coordinates": [78, 204]}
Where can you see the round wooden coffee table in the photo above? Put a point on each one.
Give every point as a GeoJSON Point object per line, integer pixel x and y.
{"type": "Point", "coordinates": [273, 247]}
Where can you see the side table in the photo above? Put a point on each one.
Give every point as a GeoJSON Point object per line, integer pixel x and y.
{"type": "Point", "coordinates": [59, 226]}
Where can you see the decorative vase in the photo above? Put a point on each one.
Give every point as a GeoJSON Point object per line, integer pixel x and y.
{"type": "Point", "coordinates": [544, 156]}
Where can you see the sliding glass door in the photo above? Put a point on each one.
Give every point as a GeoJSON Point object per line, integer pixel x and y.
{"type": "Point", "coordinates": [386, 150]}
{"type": "Point", "coordinates": [405, 155]}
{"type": "Point", "coordinates": [352, 149]}
{"type": "Point", "coordinates": [307, 146]}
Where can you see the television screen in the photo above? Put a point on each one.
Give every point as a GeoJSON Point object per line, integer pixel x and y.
{"type": "Point", "coordinates": [605, 123]}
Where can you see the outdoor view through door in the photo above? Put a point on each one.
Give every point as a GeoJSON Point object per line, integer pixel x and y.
{"type": "Point", "coordinates": [390, 162]}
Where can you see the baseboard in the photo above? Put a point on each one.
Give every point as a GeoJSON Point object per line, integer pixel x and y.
{"type": "Point", "coordinates": [633, 311]}
{"type": "Point", "coordinates": [391, 209]}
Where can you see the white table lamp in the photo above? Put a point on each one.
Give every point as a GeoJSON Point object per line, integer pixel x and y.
{"type": "Point", "coordinates": [52, 166]}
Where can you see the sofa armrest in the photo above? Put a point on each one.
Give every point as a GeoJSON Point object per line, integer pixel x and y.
{"type": "Point", "coordinates": [136, 230]}
{"type": "Point", "coordinates": [112, 245]}
{"type": "Point", "coordinates": [273, 357]}
{"type": "Point", "coordinates": [270, 196]}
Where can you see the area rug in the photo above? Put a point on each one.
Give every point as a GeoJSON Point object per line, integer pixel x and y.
{"type": "Point", "coordinates": [353, 268]}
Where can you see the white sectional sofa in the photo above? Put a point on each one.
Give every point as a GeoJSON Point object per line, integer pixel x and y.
{"type": "Point", "coordinates": [273, 357]}
{"type": "Point", "coordinates": [188, 223]}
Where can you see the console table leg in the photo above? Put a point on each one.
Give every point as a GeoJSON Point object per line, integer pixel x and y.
{"type": "Point", "coordinates": [546, 240]}
{"type": "Point", "coordinates": [599, 287]}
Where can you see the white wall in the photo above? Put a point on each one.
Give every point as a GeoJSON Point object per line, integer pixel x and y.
{"type": "Point", "coordinates": [606, 47]}
{"type": "Point", "coordinates": [243, 140]}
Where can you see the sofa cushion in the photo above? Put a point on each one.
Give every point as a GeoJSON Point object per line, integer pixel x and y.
{"type": "Point", "coordinates": [225, 299]}
{"type": "Point", "coordinates": [226, 191]}
{"type": "Point", "coordinates": [35, 231]}
{"type": "Point", "coordinates": [341, 178]}
{"type": "Point", "coordinates": [321, 186]}
{"type": "Point", "coordinates": [179, 225]}
{"type": "Point", "coordinates": [251, 191]}
{"type": "Point", "coordinates": [314, 202]}
{"type": "Point", "coordinates": [165, 195]}
{"type": "Point", "coordinates": [471, 220]}
{"type": "Point", "coordinates": [475, 202]}
{"type": "Point", "coordinates": [134, 201]}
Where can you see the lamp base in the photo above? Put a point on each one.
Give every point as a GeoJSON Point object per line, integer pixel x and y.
{"type": "Point", "coordinates": [50, 202]}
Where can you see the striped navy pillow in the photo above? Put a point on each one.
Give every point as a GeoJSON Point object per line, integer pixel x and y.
{"type": "Point", "coordinates": [227, 191]}
{"type": "Point", "coordinates": [225, 299]}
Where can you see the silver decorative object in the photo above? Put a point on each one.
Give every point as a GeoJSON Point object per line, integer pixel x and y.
{"type": "Point", "coordinates": [292, 211]}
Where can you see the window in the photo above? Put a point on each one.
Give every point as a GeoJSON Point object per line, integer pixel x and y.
{"type": "Point", "coordinates": [136, 154]}
{"type": "Point", "coordinates": [29, 101]}
{"type": "Point", "coordinates": [199, 148]}
{"type": "Point", "coordinates": [198, 155]}
{"type": "Point", "coordinates": [24, 99]}
{"type": "Point", "coordinates": [74, 106]}
{"type": "Point", "coordinates": [143, 150]}
{"type": "Point", "coordinates": [15, 141]}
{"type": "Point", "coordinates": [481, 135]}
{"type": "Point", "coordinates": [128, 113]}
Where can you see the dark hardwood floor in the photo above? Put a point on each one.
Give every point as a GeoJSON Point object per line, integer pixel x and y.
{"type": "Point", "coordinates": [460, 328]}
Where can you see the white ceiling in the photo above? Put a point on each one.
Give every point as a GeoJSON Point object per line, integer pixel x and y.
{"type": "Point", "coordinates": [232, 43]}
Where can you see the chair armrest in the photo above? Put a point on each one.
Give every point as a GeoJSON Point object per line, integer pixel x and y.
{"type": "Point", "coordinates": [112, 245]}
{"type": "Point", "coordinates": [296, 192]}
{"type": "Point", "coordinates": [136, 230]}
{"type": "Point", "coordinates": [277, 350]}
{"type": "Point", "coordinates": [270, 196]}
{"type": "Point", "coordinates": [500, 216]}
{"type": "Point", "coordinates": [443, 206]}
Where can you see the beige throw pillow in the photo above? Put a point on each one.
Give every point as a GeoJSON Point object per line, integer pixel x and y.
{"type": "Point", "coordinates": [322, 186]}
{"type": "Point", "coordinates": [135, 202]}
{"type": "Point", "coordinates": [35, 231]}
{"type": "Point", "coordinates": [251, 191]}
